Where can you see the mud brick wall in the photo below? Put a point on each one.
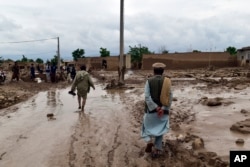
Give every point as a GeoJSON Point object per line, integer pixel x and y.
{"type": "Point", "coordinates": [190, 60]}
{"type": "Point", "coordinates": [96, 62]}
{"type": "Point", "coordinates": [112, 62]}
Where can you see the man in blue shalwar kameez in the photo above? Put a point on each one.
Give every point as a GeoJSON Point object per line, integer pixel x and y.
{"type": "Point", "coordinates": [156, 117]}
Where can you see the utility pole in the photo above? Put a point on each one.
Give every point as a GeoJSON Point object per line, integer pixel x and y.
{"type": "Point", "coordinates": [58, 54]}
{"type": "Point", "coordinates": [121, 61]}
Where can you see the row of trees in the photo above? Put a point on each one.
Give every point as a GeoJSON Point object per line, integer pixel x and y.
{"type": "Point", "coordinates": [38, 60]}
{"type": "Point", "coordinates": [79, 53]}
{"type": "Point", "coordinates": [136, 53]}
{"type": "Point", "coordinates": [23, 59]}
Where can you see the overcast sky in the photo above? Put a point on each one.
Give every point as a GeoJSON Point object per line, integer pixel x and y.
{"type": "Point", "coordinates": [174, 25]}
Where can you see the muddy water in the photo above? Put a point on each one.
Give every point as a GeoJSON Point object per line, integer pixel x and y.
{"type": "Point", "coordinates": [213, 123]}
{"type": "Point", "coordinates": [103, 136]}
{"type": "Point", "coordinates": [28, 138]}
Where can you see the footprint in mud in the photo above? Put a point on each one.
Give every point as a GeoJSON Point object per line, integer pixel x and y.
{"type": "Point", "coordinates": [21, 137]}
{"type": "Point", "coordinates": [1, 156]}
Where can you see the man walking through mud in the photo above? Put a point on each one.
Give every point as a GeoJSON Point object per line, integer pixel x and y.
{"type": "Point", "coordinates": [82, 83]}
{"type": "Point", "coordinates": [158, 99]}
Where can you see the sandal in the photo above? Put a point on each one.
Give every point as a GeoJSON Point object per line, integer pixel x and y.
{"type": "Point", "coordinates": [156, 153]}
{"type": "Point", "coordinates": [148, 149]}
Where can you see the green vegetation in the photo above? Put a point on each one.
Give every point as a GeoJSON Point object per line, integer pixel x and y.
{"type": "Point", "coordinates": [196, 51]}
{"type": "Point", "coordinates": [55, 60]}
{"type": "Point", "coordinates": [1, 60]}
{"type": "Point", "coordinates": [24, 59]}
{"type": "Point", "coordinates": [232, 50]}
{"type": "Point", "coordinates": [165, 52]}
{"type": "Point", "coordinates": [136, 53]}
{"type": "Point", "coordinates": [104, 52]}
{"type": "Point", "coordinates": [78, 53]}
{"type": "Point", "coordinates": [39, 61]}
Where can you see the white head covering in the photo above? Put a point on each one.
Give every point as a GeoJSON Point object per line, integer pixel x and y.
{"type": "Point", "coordinates": [158, 65]}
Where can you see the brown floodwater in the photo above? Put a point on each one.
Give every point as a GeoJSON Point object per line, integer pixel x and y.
{"type": "Point", "coordinates": [28, 138]}
{"type": "Point", "coordinates": [103, 136]}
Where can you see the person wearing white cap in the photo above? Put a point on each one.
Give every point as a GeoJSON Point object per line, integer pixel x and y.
{"type": "Point", "coordinates": [158, 99]}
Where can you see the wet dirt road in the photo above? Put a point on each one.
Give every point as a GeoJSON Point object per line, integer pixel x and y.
{"type": "Point", "coordinates": [100, 137]}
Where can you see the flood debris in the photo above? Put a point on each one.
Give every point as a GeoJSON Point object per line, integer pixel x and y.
{"type": "Point", "coordinates": [211, 101]}
{"type": "Point", "coordinates": [198, 143]}
{"type": "Point", "coordinates": [243, 111]}
{"type": "Point", "coordinates": [242, 126]}
{"type": "Point", "coordinates": [116, 85]}
{"type": "Point", "coordinates": [51, 116]}
{"type": "Point", "coordinates": [240, 141]}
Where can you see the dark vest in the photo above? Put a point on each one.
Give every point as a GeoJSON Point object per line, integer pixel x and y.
{"type": "Point", "coordinates": [155, 85]}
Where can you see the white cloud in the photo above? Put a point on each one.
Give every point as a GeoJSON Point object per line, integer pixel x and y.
{"type": "Point", "coordinates": [178, 25]}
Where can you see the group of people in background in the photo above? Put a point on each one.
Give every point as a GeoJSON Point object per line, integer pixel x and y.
{"type": "Point", "coordinates": [71, 72]}
{"type": "Point", "coordinates": [50, 71]}
{"type": "Point", "coordinates": [2, 75]}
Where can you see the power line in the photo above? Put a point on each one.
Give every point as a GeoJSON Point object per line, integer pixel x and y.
{"type": "Point", "coordinates": [40, 53]}
{"type": "Point", "coordinates": [28, 41]}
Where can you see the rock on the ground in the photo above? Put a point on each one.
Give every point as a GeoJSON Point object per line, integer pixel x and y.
{"type": "Point", "coordinates": [243, 111]}
{"type": "Point", "coordinates": [239, 141]}
{"type": "Point", "coordinates": [198, 143]}
{"type": "Point", "coordinates": [240, 87]}
{"type": "Point", "coordinates": [214, 102]}
{"type": "Point", "coordinates": [242, 126]}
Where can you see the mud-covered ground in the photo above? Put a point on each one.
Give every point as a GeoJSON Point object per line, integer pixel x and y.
{"type": "Point", "coordinates": [209, 117]}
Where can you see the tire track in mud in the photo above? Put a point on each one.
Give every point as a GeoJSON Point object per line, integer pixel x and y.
{"type": "Point", "coordinates": [80, 151]}
{"type": "Point", "coordinates": [114, 147]}
{"type": "Point", "coordinates": [72, 154]}
{"type": "Point", "coordinates": [105, 136]}
{"type": "Point", "coordinates": [108, 135]}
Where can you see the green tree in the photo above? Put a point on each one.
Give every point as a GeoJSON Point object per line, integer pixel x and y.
{"type": "Point", "coordinates": [165, 52]}
{"type": "Point", "coordinates": [9, 60]}
{"type": "Point", "coordinates": [78, 53]}
{"type": "Point", "coordinates": [104, 52]}
{"type": "Point", "coordinates": [55, 60]}
{"type": "Point", "coordinates": [31, 60]}
{"type": "Point", "coordinates": [24, 59]}
{"type": "Point", "coordinates": [232, 50]}
{"type": "Point", "coordinates": [136, 53]}
{"type": "Point", "coordinates": [39, 61]}
{"type": "Point", "coordinates": [196, 51]}
{"type": "Point", "coordinates": [1, 60]}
